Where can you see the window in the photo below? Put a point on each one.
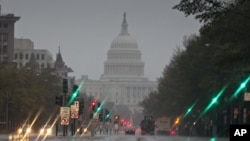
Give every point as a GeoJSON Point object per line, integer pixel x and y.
{"type": "Point", "coordinates": [4, 37]}
{"type": "Point", "coordinates": [16, 56]}
{"type": "Point", "coordinates": [27, 56]}
{"type": "Point", "coordinates": [20, 56]}
{"type": "Point", "coordinates": [5, 59]}
{"type": "Point", "coordinates": [43, 56]}
{"type": "Point", "coordinates": [5, 25]}
{"type": "Point", "coordinates": [5, 48]}
{"type": "Point", "coordinates": [37, 56]}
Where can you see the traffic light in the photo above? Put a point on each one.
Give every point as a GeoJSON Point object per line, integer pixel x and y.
{"type": "Point", "coordinates": [189, 110]}
{"type": "Point", "coordinates": [177, 120]}
{"type": "Point", "coordinates": [75, 87]}
{"type": "Point", "coordinates": [65, 85]}
{"type": "Point", "coordinates": [117, 117]}
{"type": "Point", "coordinates": [101, 116]}
{"type": "Point", "coordinates": [81, 106]}
{"type": "Point", "coordinates": [107, 113]}
{"type": "Point", "coordinates": [74, 95]}
{"type": "Point", "coordinates": [241, 87]}
{"type": "Point", "coordinates": [213, 101]}
{"type": "Point", "coordinates": [93, 105]}
{"type": "Point", "coordinates": [99, 107]}
{"type": "Point", "coordinates": [59, 100]}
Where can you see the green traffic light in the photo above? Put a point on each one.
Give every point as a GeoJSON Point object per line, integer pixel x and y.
{"type": "Point", "coordinates": [213, 101]}
{"type": "Point", "coordinates": [75, 94]}
{"type": "Point", "coordinates": [108, 115]}
{"type": "Point", "coordinates": [190, 109]}
{"type": "Point", "coordinates": [241, 87]}
{"type": "Point", "coordinates": [98, 109]}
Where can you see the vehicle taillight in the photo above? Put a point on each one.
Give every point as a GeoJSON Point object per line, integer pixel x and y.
{"type": "Point", "coordinates": [172, 132]}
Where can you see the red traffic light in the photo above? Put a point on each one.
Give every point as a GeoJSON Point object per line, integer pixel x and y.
{"type": "Point", "coordinates": [93, 105]}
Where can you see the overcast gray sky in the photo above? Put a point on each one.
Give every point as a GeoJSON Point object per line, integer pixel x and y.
{"type": "Point", "coordinates": [84, 29]}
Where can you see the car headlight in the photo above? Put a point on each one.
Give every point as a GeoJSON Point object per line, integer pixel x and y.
{"type": "Point", "coordinates": [28, 130]}
{"type": "Point", "coordinates": [49, 131]}
{"type": "Point", "coordinates": [78, 130]}
{"type": "Point", "coordinates": [85, 130]}
{"type": "Point", "coordinates": [20, 130]}
{"type": "Point", "coordinates": [42, 131]}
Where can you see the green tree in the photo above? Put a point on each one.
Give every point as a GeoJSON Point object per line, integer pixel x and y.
{"type": "Point", "coordinates": [218, 56]}
{"type": "Point", "coordinates": [27, 93]}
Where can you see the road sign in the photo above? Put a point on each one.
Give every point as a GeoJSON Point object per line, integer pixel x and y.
{"type": "Point", "coordinates": [64, 120]}
{"type": "Point", "coordinates": [74, 111]}
{"type": "Point", "coordinates": [247, 97]}
{"type": "Point", "coordinates": [64, 111]}
{"type": "Point", "coordinates": [74, 114]}
{"type": "Point", "coordinates": [96, 116]}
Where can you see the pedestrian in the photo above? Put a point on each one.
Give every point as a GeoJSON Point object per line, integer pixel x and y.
{"type": "Point", "coordinates": [100, 129]}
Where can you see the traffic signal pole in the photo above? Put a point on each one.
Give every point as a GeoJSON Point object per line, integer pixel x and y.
{"type": "Point", "coordinates": [65, 91]}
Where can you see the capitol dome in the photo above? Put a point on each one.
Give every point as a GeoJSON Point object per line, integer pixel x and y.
{"type": "Point", "coordinates": [124, 58]}
{"type": "Point", "coordinates": [124, 40]}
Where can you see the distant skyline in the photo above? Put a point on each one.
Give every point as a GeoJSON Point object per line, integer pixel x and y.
{"type": "Point", "coordinates": [85, 29]}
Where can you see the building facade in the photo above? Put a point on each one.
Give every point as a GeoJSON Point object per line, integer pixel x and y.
{"type": "Point", "coordinates": [7, 26]}
{"type": "Point", "coordinates": [23, 51]}
{"type": "Point", "coordinates": [123, 81]}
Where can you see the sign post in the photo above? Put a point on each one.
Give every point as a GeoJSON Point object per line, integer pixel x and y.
{"type": "Point", "coordinates": [64, 113]}
{"type": "Point", "coordinates": [74, 115]}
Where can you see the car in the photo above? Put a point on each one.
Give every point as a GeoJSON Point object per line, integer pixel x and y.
{"type": "Point", "coordinates": [46, 130]}
{"type": "Point", "coordinates": [25, 129]}
{"type": "Point", "coordinates": [82, 130]}
{"type": "Point", "coordinates": [130, 130]}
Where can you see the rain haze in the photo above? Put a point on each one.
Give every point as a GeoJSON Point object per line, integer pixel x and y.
{"type": "Point", "coordinates": [85, 29]}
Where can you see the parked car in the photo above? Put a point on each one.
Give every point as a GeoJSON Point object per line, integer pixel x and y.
{"type": "Point", "coordinates": [130, 130]}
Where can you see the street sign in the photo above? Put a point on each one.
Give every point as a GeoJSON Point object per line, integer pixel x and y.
{"type": "Point", "coordinates": [64, 111]}
{"type": "Point", "coordinates": [64, 120]}
{"type": "Point", "coordinates": [96, 116]}
{"type": "Point", "coordinates": [74, 111]}
{"type": "Point", "coordinates": [247, 97]}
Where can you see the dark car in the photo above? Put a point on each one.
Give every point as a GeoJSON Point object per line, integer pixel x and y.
{"type": "Point", "coordinates": [130, 131]}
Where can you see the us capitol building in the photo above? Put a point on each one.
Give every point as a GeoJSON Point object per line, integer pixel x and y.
{"type": "Point", "coordinates": [123, 81]}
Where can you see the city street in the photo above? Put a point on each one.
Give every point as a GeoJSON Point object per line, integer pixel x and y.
{"type": "Point", "coordinates": [120, 137]}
